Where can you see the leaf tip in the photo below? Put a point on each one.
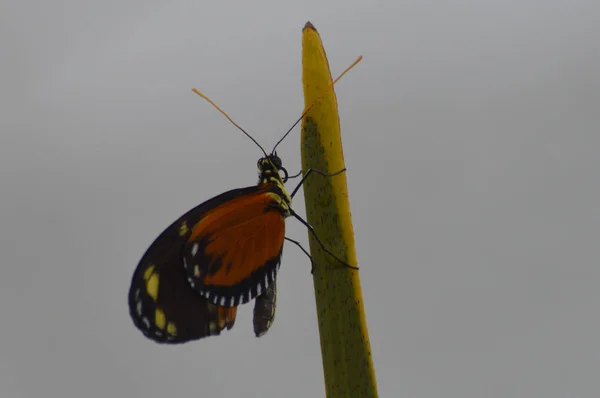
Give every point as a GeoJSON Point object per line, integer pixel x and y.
{"type": "Point", "coordinates": [309, 25]}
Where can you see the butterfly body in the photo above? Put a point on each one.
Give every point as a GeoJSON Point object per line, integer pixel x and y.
{"type": "Point", "coordinates": [222, 253]}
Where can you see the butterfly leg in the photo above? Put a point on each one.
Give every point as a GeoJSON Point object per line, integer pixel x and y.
{"type": "Point", "coordinates": [314, 234]}
{"type": "Point", "coordinates": [308, 172]}
{"type": "Point", "coordinates": [298, 174]}
{"type": "Point", "coordinates": [312, 262]}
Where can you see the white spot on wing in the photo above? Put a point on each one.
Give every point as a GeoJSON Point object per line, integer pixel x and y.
{"type": "Point", "coordinates": [195, 249]}
{"type": "Point", "coordinates": [258, 290]}
{"type": "Point", "coordinates": [146, 322]}
{"type": "Point", "coordinates": [222, 301]}
{"type": "Point", "coordinates": [138, 308]}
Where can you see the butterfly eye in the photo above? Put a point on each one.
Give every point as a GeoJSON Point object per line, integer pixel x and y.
{"type": "Point", "coordinates": [275, 160]}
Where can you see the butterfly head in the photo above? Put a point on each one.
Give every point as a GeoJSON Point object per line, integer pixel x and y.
{"type": "Point", "coordinates": [269, 168]}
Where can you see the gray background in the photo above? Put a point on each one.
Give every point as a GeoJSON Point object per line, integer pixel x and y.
{"type": "Point", "coordinates": [471, 139]}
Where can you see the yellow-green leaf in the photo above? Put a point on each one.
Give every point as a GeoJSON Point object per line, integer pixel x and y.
{"type": "Point", "coordinates": [345, 347]}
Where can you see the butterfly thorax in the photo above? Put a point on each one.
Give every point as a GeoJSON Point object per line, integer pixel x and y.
{"type": "Point", "coordinates": [269, 168]}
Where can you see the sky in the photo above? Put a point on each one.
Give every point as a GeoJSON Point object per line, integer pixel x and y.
{"type": "Point", "coordinates": [470, 134]}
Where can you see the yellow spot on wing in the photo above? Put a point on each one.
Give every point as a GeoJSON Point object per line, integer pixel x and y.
{"type": "Point", "coordinates": [152, 286]}
{"type": "Point", "coordinates": [159, 318]}
{"type": "Point", "coordinates": [183, 229]}
{"type": "Point", "coordinates": [171, 329]}
{"type": "Point", "coordinates": [148, 272]}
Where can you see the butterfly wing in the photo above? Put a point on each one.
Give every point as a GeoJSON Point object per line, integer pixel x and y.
{"type": "Point", "coordinates": [167, 310]}
{"type": "Point", "coordinates": [162, 304]}
{"type": "Point", "coordinates": [234, 250]}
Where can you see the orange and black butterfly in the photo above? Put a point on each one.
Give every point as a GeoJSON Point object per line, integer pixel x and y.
{"type": "Point", "coordinates": [223, 253]}
{"type": "Point", "coordinates": [219, 255]}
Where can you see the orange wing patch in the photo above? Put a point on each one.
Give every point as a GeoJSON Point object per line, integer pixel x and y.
{"type": "Point", "coordinates": [225, 318]}
{"type": "Point", "coordinates": [234, 251]}
{"type": "Point", "coordinates": [244, 247]}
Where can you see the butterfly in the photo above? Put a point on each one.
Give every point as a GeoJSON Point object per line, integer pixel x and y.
{"type": "Point", "coordinates": [219, 255]}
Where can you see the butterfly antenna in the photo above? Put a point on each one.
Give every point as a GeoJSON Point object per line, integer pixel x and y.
{"type": "Point", "coordinates": [317, 100]}
{"type": "Point", "coordinates": [228, 118]}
